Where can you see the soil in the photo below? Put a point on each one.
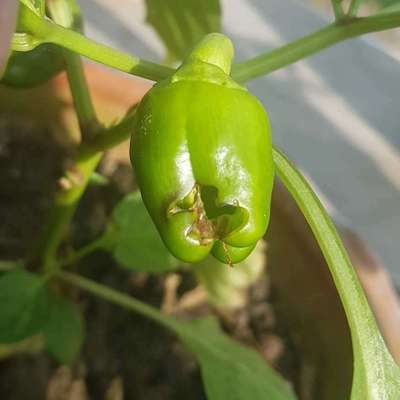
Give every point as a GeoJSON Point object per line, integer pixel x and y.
{"type": "Point", "coordinates": [125, 356]}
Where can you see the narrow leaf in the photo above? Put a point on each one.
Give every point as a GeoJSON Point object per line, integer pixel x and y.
{"type": "Point", "coordinates": [376, 376]}
{"type": "Point", "coordinates": [64, 331]}
{"type": "Point", "coordinates": [136, 242]}
{"type": "Point", "coordinates": [182, 23]}
{"type": "Point", "coordinates": [24, 305]}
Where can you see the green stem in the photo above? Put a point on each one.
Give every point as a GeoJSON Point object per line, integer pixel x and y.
{"type": "Point", "coordinates": [110, 137]}
{"type": "Point", "coordinates": [245, 71]}
{"type": "Point", "coordinates": [337, 9]}
{"type": "Point", "coordinates": [49, 32]}
{"type": "Point", "coordinates": [117, 298]}
{"type": "Point", "coordinates": [72, 186]}
{"type": "Point", "coordinates": [353, 8]}
{"type": "Point", "coordinates": [308, 45]}
{"type": "Point", "coordinates": [99, 243]}
{"type": "Point", "coordinates": [62, 13]}
{"type": "Point", "coordinates": [80, 93]}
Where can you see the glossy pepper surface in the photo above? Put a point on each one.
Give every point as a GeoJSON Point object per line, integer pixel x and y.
{"type": "Point", "coordinates": [201, 151]}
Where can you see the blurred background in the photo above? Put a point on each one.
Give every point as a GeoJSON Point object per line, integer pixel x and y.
{"type": "Point", "coordinates": [335, 114]}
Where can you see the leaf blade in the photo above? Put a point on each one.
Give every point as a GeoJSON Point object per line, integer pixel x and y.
{"type": "Point", "coordinates": [182, 23]}
{"type": "Point", "coordinates": [230, 370]}
{"type": "Point", "coordinates": [64, 331]}
{"type": "Point", "coordinates": [376, 376]}
{"type": "Point", "coordinates": [136, 243]}
{"type": "Point", "coordinates": [23, 305]}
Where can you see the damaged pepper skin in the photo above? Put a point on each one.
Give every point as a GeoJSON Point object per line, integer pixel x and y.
{"type": "Point", "coordinates": [202, 156]}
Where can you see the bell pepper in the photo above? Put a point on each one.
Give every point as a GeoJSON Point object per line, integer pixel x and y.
{"type": "Point", "coordinates": [202, 155]}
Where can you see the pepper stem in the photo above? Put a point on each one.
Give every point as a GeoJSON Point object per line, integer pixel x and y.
{"type": "Point", "coordinates": [215, 49]}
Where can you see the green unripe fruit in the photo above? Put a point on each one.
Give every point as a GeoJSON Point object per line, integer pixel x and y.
{"type": "Point", "coordinates": [202, 155]}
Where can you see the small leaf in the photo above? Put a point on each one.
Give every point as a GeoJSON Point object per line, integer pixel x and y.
{"type": "Point", "coordinates": [137, 244]}
{"type": "Point", "coordinates": [182, 23]}
{"type": "Point", "coordinates": [64, 331]}
{"type": "Point", "coordinates": [24, 305]}
{"type": "Point", "coordinates": [230, 370]}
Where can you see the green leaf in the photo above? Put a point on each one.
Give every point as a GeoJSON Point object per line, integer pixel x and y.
{"type": "Point", "coordinates": [182, 23]}
{"type": "Point", "coordinates": [389, 7]}
{"type": "Point", "coordinates": [376, 376]}
{"type": "Point", "coordinates": [64, 332]}
{"type": "Point", "coordinates": [136, 242]}
{"type": "Point", "coordinates": [23, 305]}
{"type": "Point", "coordinates": [230, 370]}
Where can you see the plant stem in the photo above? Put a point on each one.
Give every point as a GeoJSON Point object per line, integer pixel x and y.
{"type": "Point", "coordinates": [110, 137]}
{"type": "Point", "coordinates": [62, 14]}
{"type": "Point", "coordinates": [82, 252]}
{"type": "Point", "coordinates": [353, 8]}
{"type": "Point", "coordinates": [49, 32]}
{"type": "Point", "coordinates": [72, 186]}
{"type": "Point", "coordinates": [117, 298]}
{"type": "Point", "coordinates": [80, 93]}
{"type": "Point", "coordinates": [261, 65]}
{"type": "Point", "coordinates": [337, 9]}
{"type": "Point", "coordinates": [308, 45]}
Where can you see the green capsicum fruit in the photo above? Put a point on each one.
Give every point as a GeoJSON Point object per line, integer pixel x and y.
{"type": "Point", "coordinates": [202, 155]}
{"type": "Point", "coordinates": [31, 68]}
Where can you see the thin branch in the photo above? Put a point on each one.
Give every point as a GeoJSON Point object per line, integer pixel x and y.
{"type": "Point", "coordinates": [116, 297]}
{"type": "Point", "coordinates": [337, 9]}
{"type": "Point", "coordinates": [49, 32]}
{"type": "Point", "coordinates": [353, 8]}
{"type": "Point", "coordinates": [301, 48]}
{"type": "Point", "coordinates": [73, 184]}
{"type": "Point", "coordinates": [62, 13]}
